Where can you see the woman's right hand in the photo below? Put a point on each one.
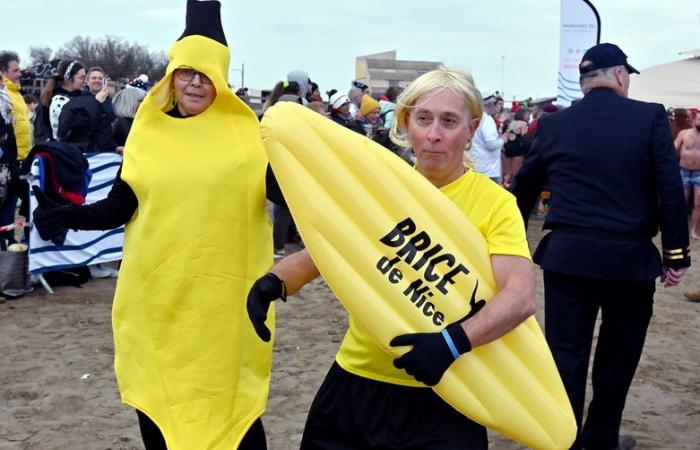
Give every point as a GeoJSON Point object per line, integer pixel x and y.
{"type": "Point", "coordinates": [50, 218]}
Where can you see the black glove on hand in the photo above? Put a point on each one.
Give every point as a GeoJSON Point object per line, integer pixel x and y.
{"type": "Point", "coordinates": [50, 218]}
{"type": "Point", "coordinates": [431, 354]}
{"type": "Point", "coordinates": [264, 291]}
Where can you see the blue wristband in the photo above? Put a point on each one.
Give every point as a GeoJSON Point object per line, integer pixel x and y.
{"type": "Point", "coordinates": [450, 343]}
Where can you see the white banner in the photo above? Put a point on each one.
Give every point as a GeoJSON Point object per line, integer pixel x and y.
{"type": "Point", "coordinates": [81, 248]}
{"type": "Point", "coordinates": [580, 30]}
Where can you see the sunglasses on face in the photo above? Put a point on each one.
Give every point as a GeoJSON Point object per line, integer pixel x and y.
{"type": "Point", "coordinates": [187, 74]}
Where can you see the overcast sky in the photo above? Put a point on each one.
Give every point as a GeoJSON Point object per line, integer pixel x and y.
{"type": "Point", "coordinates": [323, 37]}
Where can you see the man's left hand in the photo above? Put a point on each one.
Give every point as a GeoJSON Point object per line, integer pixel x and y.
{"type": "Point", "coordinates": [671, 277]}
{"type": "Point", "coordinates": [431, 355]}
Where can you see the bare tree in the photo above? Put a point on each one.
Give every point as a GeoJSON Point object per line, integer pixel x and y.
{"type": "Point", "coordinates": [118, 57]}
{"type": "Point", "coordinates": [39, 55]}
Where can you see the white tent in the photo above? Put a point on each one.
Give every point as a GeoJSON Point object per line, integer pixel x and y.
{"type": "Point", "coordinates": [675, 84]}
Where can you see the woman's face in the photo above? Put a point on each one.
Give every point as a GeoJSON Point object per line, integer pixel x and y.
{"type": "Point", "coordinates": [439, 127]}
{"type": "Point", "coordinates": [194, 91]}
{"type": "Point", "coordinates": [373, 116]}
{"type": "Point", "coordinates": [344, 110]}
{"type": "Point", "coordinates": [76, 82]}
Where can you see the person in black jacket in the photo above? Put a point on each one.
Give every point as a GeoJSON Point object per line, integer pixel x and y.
{"type": "Point", "coordinates": [83, 122]}
{"type": "Point", "coordinates": [8, 165]}
{"type": "Point", "coordinates": [97, 86]}
{"type": "Point", "coordinates": [610, 165]}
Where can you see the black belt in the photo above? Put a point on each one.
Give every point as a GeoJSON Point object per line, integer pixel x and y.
{"type": "Point", "coordinates": [603, 234]}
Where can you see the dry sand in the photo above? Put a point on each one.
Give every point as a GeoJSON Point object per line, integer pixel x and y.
{"type": "Point", "coordinates": [57, 386]}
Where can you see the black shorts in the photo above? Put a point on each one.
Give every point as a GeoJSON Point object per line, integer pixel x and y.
{"type": "Point", "coordinates": [352, 412]}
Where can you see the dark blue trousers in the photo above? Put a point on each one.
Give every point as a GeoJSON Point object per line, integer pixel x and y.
{"type": "Point", "coordinates": [571, 308]}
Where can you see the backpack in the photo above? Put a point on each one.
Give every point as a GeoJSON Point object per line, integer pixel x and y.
{"type": "Point", "coordinates": [383, 115]}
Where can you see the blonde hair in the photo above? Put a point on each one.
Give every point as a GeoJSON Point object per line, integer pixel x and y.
{"type": "Point", "coordinates": [444, 78]}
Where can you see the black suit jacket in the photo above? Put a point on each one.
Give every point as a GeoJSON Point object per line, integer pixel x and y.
{"type": "Point", "coordinates": [611, 167]}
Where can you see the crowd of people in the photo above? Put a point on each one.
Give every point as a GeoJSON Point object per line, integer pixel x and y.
{"type": "Point", "coordinates": [179, 292]}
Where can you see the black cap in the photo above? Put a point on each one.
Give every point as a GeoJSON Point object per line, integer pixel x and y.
{"type": "Point", "coordinates": [204, 19]}
{"type": "Point", "coordinates": [602, 56]}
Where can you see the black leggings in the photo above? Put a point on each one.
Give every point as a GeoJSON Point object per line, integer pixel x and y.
{"type": "Point", "coordinates": [254, 439]}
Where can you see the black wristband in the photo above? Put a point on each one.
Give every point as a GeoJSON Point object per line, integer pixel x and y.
{"type": "Point", "coordinates": [459, 337]}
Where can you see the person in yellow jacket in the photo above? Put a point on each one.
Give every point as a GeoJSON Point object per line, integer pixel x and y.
{"type": "Point", "coordinates": [192, 195]}
{"type": "Point", "coordinates": [9, 66]}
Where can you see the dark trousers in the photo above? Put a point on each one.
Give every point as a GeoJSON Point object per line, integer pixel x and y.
{"type": "Point", "coordinates": [7, 216]}
{"type": "Point", "coordinates": [571, 308]}
{"type": "Point", "coordinates": [355, 413]}
{"type": "Point", "coordinates": [153, 439]}
{"type": "Point", "coordinates": [280, 229]}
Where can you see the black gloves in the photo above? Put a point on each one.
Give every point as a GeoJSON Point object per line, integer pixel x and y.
{"type": "Point", "coordinates": [265, 290]}
{"type": "Point", "coordinates": [50, 218]}
{"type": "Point", "coordinates": [433, 353]}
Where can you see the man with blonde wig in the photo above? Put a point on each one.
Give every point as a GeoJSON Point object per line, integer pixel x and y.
{"type": "Point", "coordinates": [369, 400]}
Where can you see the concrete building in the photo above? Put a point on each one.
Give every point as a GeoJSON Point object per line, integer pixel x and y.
{"type": "Point", "coordinates": [381, 70]}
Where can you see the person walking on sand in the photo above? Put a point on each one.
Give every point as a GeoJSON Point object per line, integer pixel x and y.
{"type": "Point", "coordinates": [688, 149]}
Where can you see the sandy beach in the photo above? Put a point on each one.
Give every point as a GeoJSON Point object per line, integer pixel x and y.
{"type": "Point", "coordinates": [57, 386]}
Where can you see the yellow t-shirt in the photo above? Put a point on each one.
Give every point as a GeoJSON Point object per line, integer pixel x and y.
{"type": "Point", "coordinates": [494, 211]}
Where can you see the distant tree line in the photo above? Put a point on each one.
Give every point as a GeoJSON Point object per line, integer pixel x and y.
{"type": "Point", "coordinates": [118, 57]}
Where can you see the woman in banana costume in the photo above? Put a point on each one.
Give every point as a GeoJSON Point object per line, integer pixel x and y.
{"type": "Point", "coordinates": [192, 195]}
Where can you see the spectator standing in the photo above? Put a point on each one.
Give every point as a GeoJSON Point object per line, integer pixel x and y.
{"type": "Point", "coordinates": [9, 67]}
{"type": "Point", "coordinates": [687, 145]}
{"type": "Point", "coordinates": [96, 82]}
{"type": "Point", "coordinates": [125, 104]}
{"type": "Point", "coordinates": [680, 122]}
{"type": "Point", "coordinates": [314, 94]}
{"type": "Point", "coordinates": [485, 151]}
{"type": "Point", "coordinates": [387, 106]}
{"type": "Point", "coordinates": [340, 112]}
{"type": "Point", "coordinates": [284, 229]}
{"type": "Point", "coordinates": [66, 84]}
{"type": "Point", "coordinates": [611, 167]}
{"type": "Point", "coordinates": [8, 163]}
{"type": "Point", "coordinates": [355, 95]}
{"type": "Point", "coordinates": [514, 146]}
{"type": "Point", "coordinates": [369, 116]}
{"type": "Point", "coordinates": [305, 84]}
{"type": "Point", "coordinates": [32, 106]}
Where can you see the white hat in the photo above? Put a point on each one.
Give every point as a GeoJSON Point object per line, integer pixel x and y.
{"type": "Point", "coordinates": [488, 96]}
{"type": "Point", "coordinates": [338, 100]}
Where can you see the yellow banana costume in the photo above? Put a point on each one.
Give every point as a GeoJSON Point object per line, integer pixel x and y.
{"type": "Point", "coordinates": [186, 354]}
{"type": "Point", "coordinates": [403, 258]}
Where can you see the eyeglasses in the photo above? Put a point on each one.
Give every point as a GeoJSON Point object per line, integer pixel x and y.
{"type": "Point", "coordinates": [187, 74]}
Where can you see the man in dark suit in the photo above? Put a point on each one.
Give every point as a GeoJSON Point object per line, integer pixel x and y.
{"type": "Point", "coordinates": [613, 174]}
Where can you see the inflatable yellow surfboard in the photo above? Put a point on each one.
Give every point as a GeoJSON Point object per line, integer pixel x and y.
{"type": "Point", "coordinates": [347, 193]}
